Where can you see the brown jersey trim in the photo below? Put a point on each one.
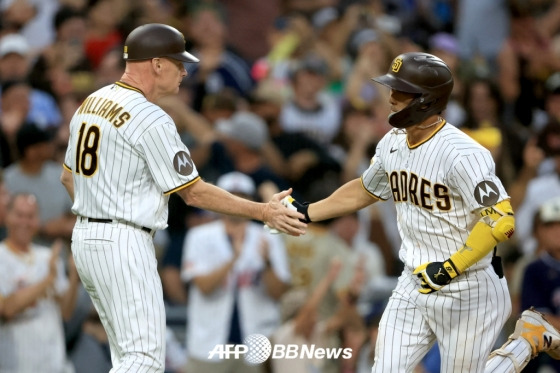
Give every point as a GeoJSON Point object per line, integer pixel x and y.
{"type": "Point", "coordinates": [377, 198]}
{"type": "Point", "coordinates": [127, 86]}
{"type": "Point", "coordinates": [67, 168]}
{"type": "Point", "coordinates": [429, 137]}
{"type": "Point", "coordinates": [182, 186]}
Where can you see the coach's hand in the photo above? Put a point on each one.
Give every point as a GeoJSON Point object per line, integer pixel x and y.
{"type": "Point", "coordinates": [279, 216]}
{"type": "Point", "coordinates": [435, 275]}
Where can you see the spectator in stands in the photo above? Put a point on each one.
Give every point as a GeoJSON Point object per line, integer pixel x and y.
{"type": "Point", "coordinates": [237, 273]}
{"type": "Point", "coordinates": [526, 59]}
{"type": "Point", "coordinates": [245, 137]}
{"type": "Point", "coordinates": [15, 65]}
{"type": "Point", "coordinates": [303, 325]}
{"type": "Point", "coordinates": [14, 105]}
{"type": "Point", "coordinates": [103, 34]}
{"type": "Point", "coordinates": [37, 174]}
{"type": "Point", "coordinates": [551, 110]}
{"type": "Point", "coordinates": [533, 189]}
{"type": "Point", "coordinates": [4, 200]}
{"type": "Point", "coordinates": [65, 57]}
{"type": "Point", "coordinates": [483, 122]}
{"type": "Point", "coordinates": [37, 294]}
{"type": "Point", "coordinates": [219, 65]}
{"type": "Point", "coordinates": [541, 280]}
{"type": "Point", "coordinates": [311, 110]}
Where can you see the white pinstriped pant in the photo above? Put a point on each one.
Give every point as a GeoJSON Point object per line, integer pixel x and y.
{"type": "Point", "coordinates": [118, 268]}
{"type": "Point", "coordinates": [465, 317]}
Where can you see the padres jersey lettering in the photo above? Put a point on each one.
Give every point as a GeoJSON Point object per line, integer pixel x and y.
{"type": "Point", "coordinates": [439, 197]}
{"type": "Point", "coordinates": [117, 135]}
{"type": "Point", "coordinates": [405, 186]}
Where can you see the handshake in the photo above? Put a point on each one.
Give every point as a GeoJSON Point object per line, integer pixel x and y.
{"type": "Point", "coordinates": [292, 204]}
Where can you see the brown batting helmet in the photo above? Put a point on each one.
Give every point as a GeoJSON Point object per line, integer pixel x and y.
{"type": "Point", "coordinates": [154, 40]}
{"type": "Point", "coordinates": [422, 74]}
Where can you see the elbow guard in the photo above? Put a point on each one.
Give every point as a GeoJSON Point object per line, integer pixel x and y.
{"type": "Point", "coordinates": [500, 218]}
{"type": "Point", "coordinates": [496, 225]}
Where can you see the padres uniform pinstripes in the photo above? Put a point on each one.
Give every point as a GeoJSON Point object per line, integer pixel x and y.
{"type": "Point", "coordinates": [435, 220]}
{"type": "Point", "coordinates": [124, 158]}
{"type": "Point", "coordinates": [110, 269]}
{"type": "Point", "coordinates": [120, 142]}
{"type": "Point", "coordinates": [432, 185]}
{"type": "Point", "coordinates": [118, 129]}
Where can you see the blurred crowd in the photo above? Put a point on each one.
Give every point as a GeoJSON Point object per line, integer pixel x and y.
{"type": "Point", "coordinates": [282, 97]}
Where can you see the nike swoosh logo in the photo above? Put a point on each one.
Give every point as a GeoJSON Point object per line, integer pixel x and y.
{"type": "Point", "coordinates": [393, 150]}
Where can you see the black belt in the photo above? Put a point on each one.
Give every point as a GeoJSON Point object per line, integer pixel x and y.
{"type": "Point", "coordinates": [96, 220]}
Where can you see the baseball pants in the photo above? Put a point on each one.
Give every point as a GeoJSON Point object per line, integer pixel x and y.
{"type": "Point", "coordinates": [118, 268]}
{"type": "Point", "coordinates": [465, 318]}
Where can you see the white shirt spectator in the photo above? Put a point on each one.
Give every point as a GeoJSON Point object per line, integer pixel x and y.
{"type": "Point", "coordinates": [34, 340]}
{"type": "Point", "coordinates": [207, 248]}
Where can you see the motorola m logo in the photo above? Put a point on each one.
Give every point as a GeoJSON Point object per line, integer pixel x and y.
{"type": "Point", "coordinates": [486, 193]}
{"type": "Point", "coordinates": [182, 163]}
{"type": "Point", "coordinates": [256, 349]}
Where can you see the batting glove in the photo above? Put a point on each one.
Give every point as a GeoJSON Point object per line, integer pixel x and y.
{"type": "Point", "coordinates": [300, 207]}
{"type": "Point", "coordinates": [292, 204]}
{"type": "Point", "coordinates": [435, 275]}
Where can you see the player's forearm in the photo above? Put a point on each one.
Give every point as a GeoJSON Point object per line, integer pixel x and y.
{"type": "Point", "coordinates": [348, 198]}
{"type": "Point", "coordinates": [17, 302]}
{"type": "Point", "coordinates": [497, 225]}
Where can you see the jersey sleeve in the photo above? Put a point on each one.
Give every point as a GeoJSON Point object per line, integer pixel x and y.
{"type": "Point", "coordinates": [68, 155]}
{"type": "Point", "coordinates": [168, 158]}
{"type": "Point", "coordinates": [374, 179]}
{"type": "Point", "coordinates": [474, 177]}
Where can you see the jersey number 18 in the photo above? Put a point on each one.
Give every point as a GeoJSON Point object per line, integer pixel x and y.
{"type": "Point", "coordinates": [86, 149]}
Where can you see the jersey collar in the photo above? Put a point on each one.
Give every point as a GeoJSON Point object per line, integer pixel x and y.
{"type": "Point", "coordinates": [128, 86]}
{"type": "Point", "coordinates": [436, 130]}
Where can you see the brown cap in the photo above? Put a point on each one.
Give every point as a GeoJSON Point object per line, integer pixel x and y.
{"type": "Point", "coordinates": [154, 40]}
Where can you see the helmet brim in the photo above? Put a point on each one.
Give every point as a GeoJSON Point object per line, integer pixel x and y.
{"type": "Point", "coordinates": [184, 57]}
{"type": "Point", "coordinates": [397, 84]}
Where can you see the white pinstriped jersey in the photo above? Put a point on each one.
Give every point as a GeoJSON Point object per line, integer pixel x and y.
{"type": "Point", "coordinates": [126, 158]}
{"type": "Point", "coordinates": [439, 187]}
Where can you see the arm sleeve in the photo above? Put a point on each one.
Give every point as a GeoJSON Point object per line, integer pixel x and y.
{"type": "Point", "coordinates": [168, 158]}
{"type": "Point", "coordinates": [68, 155]}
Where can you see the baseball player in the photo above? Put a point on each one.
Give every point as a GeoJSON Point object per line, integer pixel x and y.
{"type": "Point", "coordinates": [452, 211]}
{"type": "Point", "coordinates": [124, 159]}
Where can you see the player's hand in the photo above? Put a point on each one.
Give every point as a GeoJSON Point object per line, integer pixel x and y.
{"type": "Point", "coordinates": [284, 219]}
{"type": "Point", "coordinates": [435, 275]}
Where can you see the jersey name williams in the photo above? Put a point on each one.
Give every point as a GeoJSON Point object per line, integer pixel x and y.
{"type": "Point", "coordinates": [409, 187]}
{"type": "Point", "coordinates": [106, 109]}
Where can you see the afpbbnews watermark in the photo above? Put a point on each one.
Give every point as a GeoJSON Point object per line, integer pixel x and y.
{"type": "Point", "coordinates": [256, 349]}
